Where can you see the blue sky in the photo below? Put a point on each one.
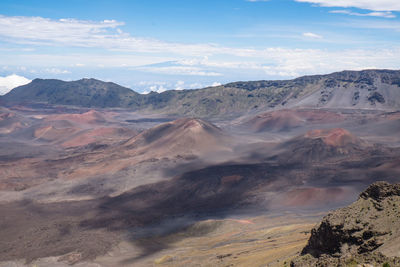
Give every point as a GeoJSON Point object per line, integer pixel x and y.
{"type": "Point", "coordinates": [170, 44]}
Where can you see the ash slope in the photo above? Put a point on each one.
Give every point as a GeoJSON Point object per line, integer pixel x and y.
{"type": "Point", "coordinates": [322, 144]}
{"type": "Point", "coordinates": [130, 194]}
{"type": "Point", "coordinates": [367, 231]}
{"type": "Point", "coordinates": [285, 120]}
{"type": "Point", "coordinates": [368, 89]}
{"type": "Point", "coordinates": [130, 158]}
{"type": "Point", "coordinates": [185, 136]}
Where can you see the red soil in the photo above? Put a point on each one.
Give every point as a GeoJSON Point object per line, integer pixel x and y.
{"type": "Point", "coordinates": [286, 119]}
{"type": "Point", "coordinates": [103, 134]}
{"type": "Point", "coordinates": [89, 117]}
{"type": "Point", "coordinates": [7, 115]}
{"type": "Point", "coordinates": [312, 196]}
{"type": "Point", "coordinates": [336, 137]}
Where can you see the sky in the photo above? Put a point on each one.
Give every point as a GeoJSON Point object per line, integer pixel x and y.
{"type": "Point", "coordinates": [157, 45]}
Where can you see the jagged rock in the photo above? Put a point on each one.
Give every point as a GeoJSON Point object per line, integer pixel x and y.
{"type": "Point", "coordinates": [381, 190]}
{"type": "Point", "coordinates": [376, 97]}
{"type": "Point", "coordinates": [366, 232]}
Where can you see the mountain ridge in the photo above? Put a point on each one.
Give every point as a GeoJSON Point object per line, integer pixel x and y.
{"type": "Point", "coordinates": [83, 92]}
{"type": "Point", "coordinates": [367, 89]}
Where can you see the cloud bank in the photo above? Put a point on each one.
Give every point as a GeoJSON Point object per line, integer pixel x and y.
{"type": "Point", "coordinates": [376, 5]}
{"type": "Point", "coordinates": [10, 82]}
{"type": "Point", "coordinates": [119, 52]}
{"type": "Point", "coordinates": [99, 34]}
{"type": "Point", "coordinates": [383, 14]}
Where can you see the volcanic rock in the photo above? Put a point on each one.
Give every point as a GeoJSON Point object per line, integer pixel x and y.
{"type": "Point", "coordinates": [366, 232]}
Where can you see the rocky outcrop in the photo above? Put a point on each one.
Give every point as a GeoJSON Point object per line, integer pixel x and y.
{"type": "Point", "coordinates": [366, 232]}
{"type": "Point", "coordinates": [380, 190]}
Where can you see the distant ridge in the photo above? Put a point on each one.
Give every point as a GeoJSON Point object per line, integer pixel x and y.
{"type": "Point", "coordinates": [367, 89]}
{"type": "Point", "coordinates": [84, 93]}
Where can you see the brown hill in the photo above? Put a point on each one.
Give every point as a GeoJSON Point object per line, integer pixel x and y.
{"type": "Point", "coordinates": [51, 133]}
{"type": "Point", "coordinates": [183, 136]}
{"type": "Point", "coordinates": [320, 144]}
{"type": "Point", "coordinates": [180, 139]}
{"type": "Point", "coordinates": [183, 139]}
{"type": "Point", "coordinates": [80, 129]}
{"type": "Point", "coordinates": [89, 117]}
{"type": "Point", "coordinates": [11, 122]}
{"type": "Point", "coordinates": [333, 137]}
{"type": "Point", "coordinates": [103, 135]}
{"type": "Point", "coordinates": [283, 120]}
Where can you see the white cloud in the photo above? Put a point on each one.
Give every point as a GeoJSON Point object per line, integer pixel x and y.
{"type": "Point", "coordinates": [215, 84]}
{"type": "Point", "coordinates": [180, 70]}
{"type": "Point", "coordinates": [145, 83]}
{"type": "Point", "coordinates": [383, 14]}
{"type": "Point", "coordinates": [207, 60]}
{"type": "Point", "coordinates": [155, 88]}
{"type": "Point", "coordinates": [103, 34]}
{"type": "Point", "coordinates": [89, 59]}
{"type": "Point", "coordinates": [376, 5]}
{"type": "Point", "coordinates": [56, 71]}
{"type": "Point", "coordinates": [295, 62]}
{"type": "Point", "coordinates": [272, 61]}
{"type": "Point", "coordinates": [158, 89]}
{"type": "Point", "coordinates": [393, 25]}
{"type": "Point", "coordinates": [38, 29]}
{"type": "Point", "coordinates": [312, 35]}
{"type": "Point", "coordinates": [288, 63]}
{"type": "Point", "coordinates": [193, 59]}
{"type": "Point", "coordinates": [145, 87]}
{"type": "Point", "coordinates": [10, 82]}
{"type": "Point", "coordinates": [179, 85]}
{"type": "Point", "coordinates": [196, 85]}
